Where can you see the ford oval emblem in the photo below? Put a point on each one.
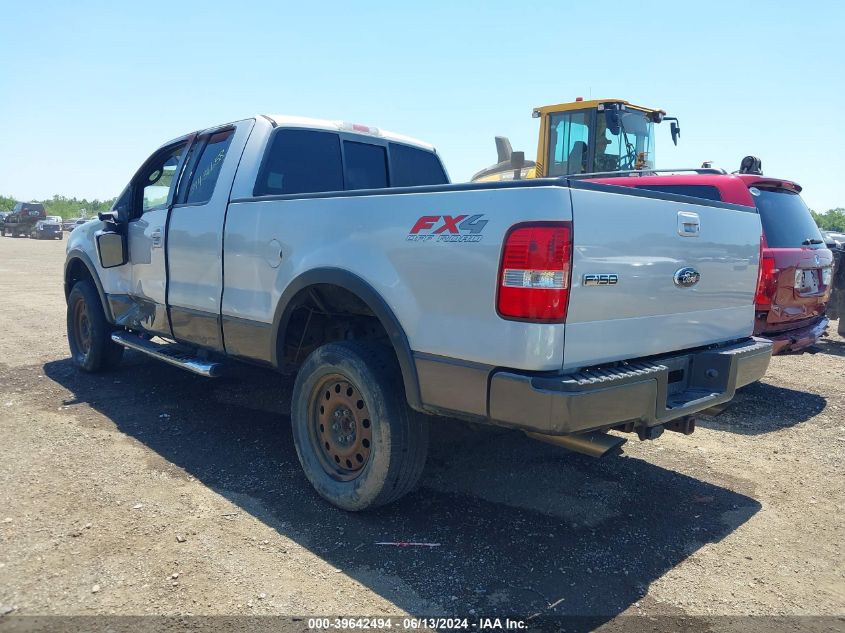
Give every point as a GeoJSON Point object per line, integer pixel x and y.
{"type": "Point", "coordinates": [686, 277]}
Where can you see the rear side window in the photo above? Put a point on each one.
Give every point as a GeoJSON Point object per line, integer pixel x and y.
{"type": "Point", "coordinates": [696, 191]}
{"type": "Point", "coordinates": [301, 161]}
{"type": "Point", "coordinates": [208, 167]}
{"type": "Point", "coordinates": [366, 165]}
{"type": "Point", "coordinates": [787, 222]}
{"type": "Point", "coordinates": [411, 167]}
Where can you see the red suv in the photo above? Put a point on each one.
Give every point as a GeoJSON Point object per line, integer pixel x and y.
{"type": "Point", "coordinates": [796, 268]}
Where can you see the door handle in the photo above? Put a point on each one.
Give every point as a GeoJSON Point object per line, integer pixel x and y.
{"type": "Point", "coordinates": [688, 224]}
{"type": "Point", "coordinates": [156, 237]}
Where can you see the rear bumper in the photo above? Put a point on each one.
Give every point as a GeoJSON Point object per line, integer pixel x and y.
{"type": "Point", "coordinates": [797, 340]}
{"type": "Point", "coordinates": [647, 392]}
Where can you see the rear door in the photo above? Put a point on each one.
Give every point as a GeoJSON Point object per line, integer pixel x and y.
{"type": "Point", "coordinates": [195, 234]}
{"type": "Point", "coordinates": [655, 273]}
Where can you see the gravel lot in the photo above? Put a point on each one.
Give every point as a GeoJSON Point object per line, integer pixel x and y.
{"type": "Point", "coordinates": [152, 491]}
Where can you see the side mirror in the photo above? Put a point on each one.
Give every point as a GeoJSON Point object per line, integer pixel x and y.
{"type": "Point", "coordinates": [111, 247]}
{"type": "Point", "coordinates": [675, 129]}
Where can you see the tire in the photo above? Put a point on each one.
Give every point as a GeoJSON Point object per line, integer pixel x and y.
{"type": "Point", "coordinates": [88, 331]}
{"type": "Point", "coordinates": [840, 328]}
{"type": "Point", "coordinates": [357, 387]}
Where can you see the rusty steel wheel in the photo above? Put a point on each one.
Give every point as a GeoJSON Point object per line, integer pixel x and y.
{"type": "Point", "coordinates": [82, 327]}
{"type": "Point", "coordinates": [359, 443]}
{"type": "Point", "coordinates": [88, 332]}
{"type": "Point", "coordinates": [341, 428]}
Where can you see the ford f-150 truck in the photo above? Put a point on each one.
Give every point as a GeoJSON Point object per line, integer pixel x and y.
{"type": "Point", "coordinates": [342, 253]}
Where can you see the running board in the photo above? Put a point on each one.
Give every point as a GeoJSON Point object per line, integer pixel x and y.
{"type": "Point", "coordinates": [170, 353]}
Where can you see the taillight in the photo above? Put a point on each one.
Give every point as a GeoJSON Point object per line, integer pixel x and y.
{"type": "Point", "coordinates": [534, 276]}
{"type": "Point", "coordinates": [767, 281]}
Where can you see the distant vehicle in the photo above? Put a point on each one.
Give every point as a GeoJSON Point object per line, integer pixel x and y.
{"type": "Point", "coordinates": [55, 218]}
{"type": "Point", "coordinates": [23, 218]}
{"type": "Point", "coordinates": [69, 225]}
{"type": "Point", "coordinates": [833, 239]}
{"type": "Point", "coordinates": [836, 305]}
{"type": "Point", "coordinates": [47, 230]}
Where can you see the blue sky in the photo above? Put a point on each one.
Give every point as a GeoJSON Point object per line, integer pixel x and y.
{"type": "Point", "coordinates": [90, 89]}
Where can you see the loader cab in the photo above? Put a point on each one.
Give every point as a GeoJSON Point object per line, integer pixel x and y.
{"type": "Point", "coordinates": [587, 137]}
{"type": "Point", "coordinates": [606, 137]}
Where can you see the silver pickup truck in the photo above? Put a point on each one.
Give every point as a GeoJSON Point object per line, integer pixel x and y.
{"type": "Point", "coordinates": [341, 252]}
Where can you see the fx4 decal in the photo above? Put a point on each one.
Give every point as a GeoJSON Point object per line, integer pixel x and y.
{"type": "Point", "coordinates": [448, 228]}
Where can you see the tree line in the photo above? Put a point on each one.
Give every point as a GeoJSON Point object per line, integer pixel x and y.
{"type": "Point", "coordinates": [830, 220]}
{"type": "Point", "coordinates": [62, 205]}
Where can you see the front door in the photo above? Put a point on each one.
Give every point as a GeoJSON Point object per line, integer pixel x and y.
{"type": "Point", "coordinates": [152, 196]}
{"type": "Point", "coordinates": [195, 235]}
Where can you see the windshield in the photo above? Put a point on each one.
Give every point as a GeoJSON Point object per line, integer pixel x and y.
{"type": "Point", "coordinates": [787, 222]}
{"type": "Point", "coordinates": [590, 141]}
{"type": "Point", "coordinates": [630, 145]}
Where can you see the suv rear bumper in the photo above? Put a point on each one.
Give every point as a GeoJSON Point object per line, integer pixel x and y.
{"type": "Point", "coordinates": [647, 392]}
{"type": "Point", "coordinates": [799, 339]}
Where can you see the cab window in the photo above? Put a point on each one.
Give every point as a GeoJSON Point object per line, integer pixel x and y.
{"type": "Point", "coordinates": [157, 180]}
{"type": "Point", "coordinates": [569, 142]}
{"type": "Point", "coordinates": [207, 169]}
{"type": "Point", "coordinates": [366, 165]}
{"type": "Point", "coordinates": [411, 167]}
{"type": "Point", "coordinates": [300, 161]}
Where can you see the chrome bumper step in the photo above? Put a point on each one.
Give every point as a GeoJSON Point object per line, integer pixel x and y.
{"type": "Point", "coordinates": [171, 353]}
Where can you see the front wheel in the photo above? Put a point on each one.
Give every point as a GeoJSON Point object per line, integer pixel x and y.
{"type": "Point", "coordinates": [88, 331]}
{"type": "Point", "coordinates": [359, 443]}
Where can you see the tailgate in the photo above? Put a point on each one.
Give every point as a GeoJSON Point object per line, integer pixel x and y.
{"type": "Point", "coordinates": [636, 259]}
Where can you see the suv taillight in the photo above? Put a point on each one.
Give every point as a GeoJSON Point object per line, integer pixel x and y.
{"type": "Point", "coordinates": [767, 281]}
{"type": "Point", "coordinates": [534, 275]}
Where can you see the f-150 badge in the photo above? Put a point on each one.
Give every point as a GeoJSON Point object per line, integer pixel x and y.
{"type": "Point", "coordinates": [601, 279]}
{"type": "Point", "coordinates": [448, 228]}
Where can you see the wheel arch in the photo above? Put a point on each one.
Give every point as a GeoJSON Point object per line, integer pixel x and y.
{"type": "Point", "coordinates": [78, 266]}
{"type": "Point", "coordinates": [359, 287]}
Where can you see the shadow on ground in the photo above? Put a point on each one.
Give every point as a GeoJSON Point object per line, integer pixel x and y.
{"type": "Point", "coordinates": [525, 528]}
{"type": "Point", "coordinates": [829, 346]}
{"type": "Point", "coordinates": [763, 408]}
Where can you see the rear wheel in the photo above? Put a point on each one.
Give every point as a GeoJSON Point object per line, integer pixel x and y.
{"type": "Point", "coordinates": [88, 331]}
{"type": "Point", "coordinates": [359, 443]}
{"type": "Point", "coordinates": [841, 327]}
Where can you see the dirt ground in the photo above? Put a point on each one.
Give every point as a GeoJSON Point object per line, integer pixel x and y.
{"type": "Point", "coordinates": [153, 491]}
